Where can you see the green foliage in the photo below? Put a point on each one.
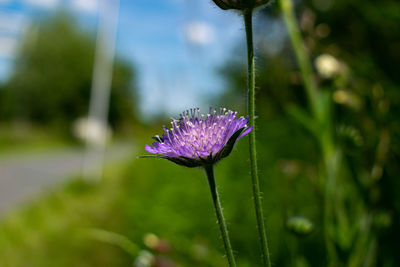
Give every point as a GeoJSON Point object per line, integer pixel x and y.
{"type": "Point", "coordinates": [23, 138]}
{"type": "Point", "coordinates": [54, 230]}
{"type": "Point", "coordinates": [352, 143]}
{"type": "Point", "coordinates": [52, 75]}
{"type": "Point", "coordinates": [87, 225]}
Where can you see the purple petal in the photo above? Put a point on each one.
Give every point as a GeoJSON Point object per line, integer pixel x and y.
{"type": "Point", "coordinates": [248, 130]}
{"type": "Point", "coordinates": [150, 149]}
{"type": "Point", "coordinates": [196, 136]}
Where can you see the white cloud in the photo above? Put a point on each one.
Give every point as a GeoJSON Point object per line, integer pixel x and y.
{"type": "Point", "coordinates": [199, 33]}
{"type": "Point", "coordinates": [13, 23]}
{"type": "Point", "coordinates": [8, 46]}
{"type": "Point", "coordinates": [43, 3]}
{"type": "Point", "coordinates": [85, 6]}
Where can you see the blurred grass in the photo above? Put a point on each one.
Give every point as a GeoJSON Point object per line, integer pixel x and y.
{"type": "Point", "coordinates": [82, 224]}
{"type": "Point", "coordinates": [155, 196]}
{"type": "Point", "coordinates": [48, 232]}
{"type": "Point", "coordinates": [26, 138]}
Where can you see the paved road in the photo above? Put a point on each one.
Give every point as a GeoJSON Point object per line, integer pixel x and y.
{"type": "Point", "coordinates": [24, 176]}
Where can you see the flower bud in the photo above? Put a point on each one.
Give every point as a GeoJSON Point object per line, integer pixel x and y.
{"type": "Point", "coordinates": [240, 4]}
{"type": "Point", "coordinates": [328, 66]}
{"type": "Point", "coordinates": [299, 225]}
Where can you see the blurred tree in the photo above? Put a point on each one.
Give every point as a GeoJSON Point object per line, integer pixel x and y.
{"type": "Point", "coordinates": [51, 81]}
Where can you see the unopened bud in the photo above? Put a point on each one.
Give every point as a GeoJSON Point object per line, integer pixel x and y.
{"type": "Point", "coordinates": [328, 66]}
{"type": "Point", "coordinates": [240, 4]}
{"type": "Point", "coordinates": [300, 225]}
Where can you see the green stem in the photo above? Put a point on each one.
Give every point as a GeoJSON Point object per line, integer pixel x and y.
{"type": "Point", "coordinates": [248, 16]}
{"type": "Point", "coordinates": [301, 54]}
{"type": "Point", "coordinates": [331, 158]}
{"type": "Point", "coordinates": [220, 216]}
{"type": "Point", "coordinates": [331, 164]}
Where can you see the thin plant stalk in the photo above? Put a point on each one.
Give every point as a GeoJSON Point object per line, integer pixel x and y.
{"type": "Point", "coordinates": [248, 16]}
{"type": "Point", "coordinates": [301, 54]}
{"type": "Point", "coordinates": [220, 216]}
{"type": "Point", "coordinates": [331, 155]}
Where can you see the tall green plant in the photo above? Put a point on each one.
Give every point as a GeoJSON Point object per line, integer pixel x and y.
{"type": "Point", "coordinates": [247, 8]}
{"type": "Point", "coordinates": [319, 123]}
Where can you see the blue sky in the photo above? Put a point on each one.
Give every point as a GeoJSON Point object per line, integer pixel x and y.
{"type": "Point", "coordinates": [176, 45]}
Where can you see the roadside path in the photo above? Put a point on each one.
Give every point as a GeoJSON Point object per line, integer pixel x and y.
{"type": "Point", "coordinates": [23, 176]}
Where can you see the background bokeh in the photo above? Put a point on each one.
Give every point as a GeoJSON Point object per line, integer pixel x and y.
{"type": "Point", "coordinates": [176, 54]}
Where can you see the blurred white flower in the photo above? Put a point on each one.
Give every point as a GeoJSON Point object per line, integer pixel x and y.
{"type": "Point", "coordinates": [327, 65]}
{"type": "Point", "coordinates": [199, 33]}
{"type": "Point", "coordinates": [144, 259]}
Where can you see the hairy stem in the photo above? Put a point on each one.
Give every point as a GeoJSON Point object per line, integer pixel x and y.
{"type": "Point", "coordinates": [248, 16]}
{"type": "Point", "coordinates": [220, 216]}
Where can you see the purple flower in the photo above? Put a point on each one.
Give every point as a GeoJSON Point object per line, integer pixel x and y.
{"type": "Point", "coordinates": [198, 140]}
{"type": "Point", "coordinates": [240, 4]}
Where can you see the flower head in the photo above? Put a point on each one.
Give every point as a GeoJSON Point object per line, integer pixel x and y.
{"type": "Point", "coordinates": [240, 4]}
{"type": "Point", "coordinates": [328, 66]}
{"type": "Point", "coordinates": [197, 140]}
